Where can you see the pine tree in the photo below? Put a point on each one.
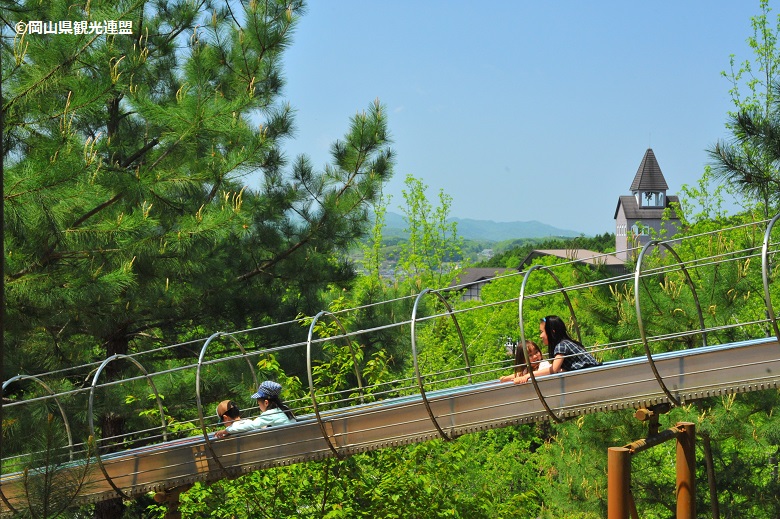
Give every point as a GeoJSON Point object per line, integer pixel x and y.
{"type": "Point", "coordinates": [749, 159]}
{"type": "Point", "coordinates": [131, 153]}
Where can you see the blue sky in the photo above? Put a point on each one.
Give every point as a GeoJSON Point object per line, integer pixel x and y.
{"type": "Point", "coordinates": [522, 110]}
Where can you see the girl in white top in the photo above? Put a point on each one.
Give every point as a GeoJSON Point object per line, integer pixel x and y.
{"type": "Point", "coordinates": [537, 363]}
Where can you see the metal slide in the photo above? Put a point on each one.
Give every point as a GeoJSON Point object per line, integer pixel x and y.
{"type": "Point", "coordinates": [424, 407]}
{"type": "Point", "coordinates": [690, 374]}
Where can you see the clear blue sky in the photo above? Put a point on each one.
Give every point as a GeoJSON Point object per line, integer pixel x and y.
{"type": "Point", "coordinates": [522, 110]}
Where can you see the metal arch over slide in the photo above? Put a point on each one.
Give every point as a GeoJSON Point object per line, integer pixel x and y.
{"type": "Point", "coordinates": [765, 268]}
{"type": "Point", "coordinates": [197, 389]}
{"type": "Point", "coordinates": [62, 414]}
{"type": "Point", "coordinates": [420, 384]}
{"type": "Point", "coordinates": [522, 298]}
{"type": "Point", "coordinates": [112, 358]}
{"type": "Point", "coordinates": [640, 323]}
{"type": "Point", "coordinates": [56, 400]}
{"type": "Point", "coordinates": [309, 367]}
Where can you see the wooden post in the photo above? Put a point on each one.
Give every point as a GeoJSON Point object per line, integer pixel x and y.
{"type": "Point", "coordinates": [618, 482]}
{"type": "Point", "coordinates": [686, 471]}
{"type": "Point", "coordinates": [711, 482]}
{"type": "Point", "coordinates": [170, 498]}
{"type": "Point", "coordinates": [632, 506]}
{"type": "Point", "coordinates": [620, 502]}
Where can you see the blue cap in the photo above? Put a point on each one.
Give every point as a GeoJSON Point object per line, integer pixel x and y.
{"type": "Point", "coordinates": [268, 389]}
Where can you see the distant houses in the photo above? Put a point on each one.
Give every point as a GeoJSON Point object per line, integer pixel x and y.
{"type": "Point", "coordinates": [637, 217]}
{"type": "Point", "coordinates": [583, 256]}
{"type": "Point", "coordinates": [471, 281]}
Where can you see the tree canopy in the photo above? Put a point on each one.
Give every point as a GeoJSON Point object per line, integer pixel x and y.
{"type": "Point", "coordinates": [146, 187]}
{"type": "Point", "coordinates": [147, 192]}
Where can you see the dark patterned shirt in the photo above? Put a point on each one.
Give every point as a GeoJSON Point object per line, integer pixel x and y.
{"type": "Point", "coordinates": [574, 356]}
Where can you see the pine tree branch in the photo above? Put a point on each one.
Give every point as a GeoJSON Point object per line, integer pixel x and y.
{"type": "Point", "coordinates": [49, 256]}
{"type": "Point", "coordinates": [97, 209]}
{"type": "Point", "coordinates": [40, 188]}
{"type": "Point", "coordinates": [166, 152]}
{"type": "Point", "coordinates": [135, 156]}
{"type": "Point", "coordinates": [65, 63]}
{"type": "Point", "coordinates": [278, 258]}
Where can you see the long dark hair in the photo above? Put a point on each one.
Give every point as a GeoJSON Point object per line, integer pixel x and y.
{"type": "Point", "coordinates": [555, 329]}
{"type": "Point", "coordinates": [275, 401]}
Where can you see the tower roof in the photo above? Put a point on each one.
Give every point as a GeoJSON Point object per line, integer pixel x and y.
{"type": "Point", "coordinates": [648, 176]}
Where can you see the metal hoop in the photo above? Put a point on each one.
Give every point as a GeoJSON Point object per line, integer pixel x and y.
{"type": "Point", "coordinates": [309, 367]}
{"type": "Point", "coordinates": [54, 395]}
{"type": "Point", "coordinates": [420, 383]}
{"type": "Point", "coordinates": [62, 413]}
{"type": "Point", "coordinates": [765, 275]}
{"type": "Point", "coordinates": [197, 390]}
{"type": "Point", "coordinates": [92, 422]}
{"type": "Point", "coordinates": [640, 323]}
{"type": "Point", "coordinates": [521, 298]}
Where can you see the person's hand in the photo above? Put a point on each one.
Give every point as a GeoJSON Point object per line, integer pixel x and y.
{"type": "Point", "coordinates": [507, 378]}
{"type": "Point", "coordinates": [522, 379]}
{"type": "Point", "coordinates": [221, 434]}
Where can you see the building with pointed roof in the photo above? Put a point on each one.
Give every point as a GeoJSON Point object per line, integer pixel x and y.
{"type": "Point", "coordinates": [640, 215]}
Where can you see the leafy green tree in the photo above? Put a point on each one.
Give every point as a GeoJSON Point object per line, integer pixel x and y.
{"type": "Point", "coordinates": [428, 257]}
{"type": "Point", "coordinates": [426, 260]}
{"type": "Point", "coordinates": [703, 201]}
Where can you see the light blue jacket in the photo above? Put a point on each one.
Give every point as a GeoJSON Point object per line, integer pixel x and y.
{"type": "Point", "coordinates": [273, 416]}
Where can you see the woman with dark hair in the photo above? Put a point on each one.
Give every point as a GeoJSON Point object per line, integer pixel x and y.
{"type": "Point", "coordinates": [565, 353]}
{"type": "Point", "coordinates": [272, 411]}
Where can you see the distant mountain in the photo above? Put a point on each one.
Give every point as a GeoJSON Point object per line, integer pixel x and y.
{"type": "Point", "coordinates": [485, 229]}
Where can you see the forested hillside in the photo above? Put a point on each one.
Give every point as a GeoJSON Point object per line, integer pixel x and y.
{"type": "Point", "coordinates": [470, 229]}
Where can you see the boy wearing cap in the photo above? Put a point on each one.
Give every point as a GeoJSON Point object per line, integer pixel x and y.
{"type": "Point", "coordinates": [228, 412]}
{"type": "Point", "coordinates": [272, 411]}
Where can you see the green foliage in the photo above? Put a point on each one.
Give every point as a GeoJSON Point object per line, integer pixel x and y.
{"type": "Point", "coordinates": [758, 76]}
{"type": "Point", "coordinates": [482, 475]}
{"type": "Point", "coordinates": [749, 159]}
{"type": "Point", "coordinates": [126, 225]}
{"type": "Point", "coordinates": [704, 201]}
{"type": "Point", "coordinates": [427, 257]}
